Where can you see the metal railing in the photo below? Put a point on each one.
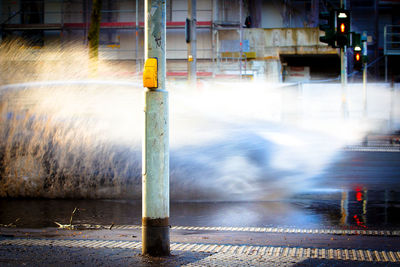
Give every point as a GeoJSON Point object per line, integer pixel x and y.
{"type": "Point", "coordinates": [231, 61]}
{"type": "Point", "coordinates": [391, 40]}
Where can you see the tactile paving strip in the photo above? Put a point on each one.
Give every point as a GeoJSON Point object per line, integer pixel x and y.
{"type": "Point", "coordinates": [256, 251]}
{"type": "Point", "coordinates": [373, 149]}
{"type": "Point", "coordinates": [276, 230]}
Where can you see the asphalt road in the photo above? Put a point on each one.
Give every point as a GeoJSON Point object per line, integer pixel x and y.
{"type": "Point", "coordinates": [352, 220]}
{"type": "Point", "coordinates": [372, 169]}
{"type": "Point", "coordinates": [360, 190]}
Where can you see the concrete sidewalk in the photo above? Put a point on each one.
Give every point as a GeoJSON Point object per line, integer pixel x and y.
{"type": "Point", "coordinates": [122, 247]}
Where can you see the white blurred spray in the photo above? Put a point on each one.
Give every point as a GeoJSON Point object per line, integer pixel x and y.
{"type": "Point", "coordinates": [229, 140]}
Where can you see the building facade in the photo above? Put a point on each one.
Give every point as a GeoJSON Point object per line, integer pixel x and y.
{"type": "Point", "coordinates": [277, 39]}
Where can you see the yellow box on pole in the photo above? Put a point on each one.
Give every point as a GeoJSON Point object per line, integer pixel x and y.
{"type": "Point", "coordinates": [150, 73]}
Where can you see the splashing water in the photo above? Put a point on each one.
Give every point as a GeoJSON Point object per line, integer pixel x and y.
{"type": "Point", "coordinates": [81, 138]}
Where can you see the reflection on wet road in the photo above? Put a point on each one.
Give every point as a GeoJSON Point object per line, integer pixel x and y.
{"type": "Point", "coordinates": [375, 209]}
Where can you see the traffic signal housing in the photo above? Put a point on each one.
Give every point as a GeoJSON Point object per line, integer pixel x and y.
{"type": "Point", "coordinates": [355, 41]}
{"type": "Point", "coordinates": [187, 30]}
{"type": "Point", "coordinates": [328, 27]}
{"type": "Point", "coordinates": [342, 27]}
{"type": "Point", "coordinates": [358, 55]}
{"type": "Point", "coordinates": [248, 22]}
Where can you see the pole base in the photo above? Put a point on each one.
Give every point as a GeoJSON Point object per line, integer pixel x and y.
{"type": "Point", "coordinates": [155, 240]}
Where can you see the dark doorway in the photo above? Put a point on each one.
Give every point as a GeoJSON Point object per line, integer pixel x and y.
{"type": "Point", "coordinates": [321, 66]}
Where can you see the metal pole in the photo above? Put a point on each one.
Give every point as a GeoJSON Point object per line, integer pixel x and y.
{"type": "Point", "coordinates": [1, 20]}
{"type": "Point", "coordinates": [86, 21]}
{"type": "Point", "coordinates": [386, 69]}
{"type": "Point", "coordinates": [192, 45]}
{"type": "Point", "coordinates": [384, 40]}
{"type": "Point", "coordinates": [137, 37]}
{"type": "Point", "coordinates": [392, 99]}
{"type": "Point", "coordinates": [365, 53]}
{"type": "Point", "coordinates": [217, 50]}
{"type": "Point", "coordinates": [344, 209]}
{"type": "Point", "coordinates": [365, 90]}
{"type": "Point", "coordinates": [376, 12]}
{"type": "Point", "coordinates": [223, 11]}
{"type": "Point", "coordinates": [365, 206]}
{"type": "Point", "coordinates": [343, 72]}
{"type": "Point", "coordinates": [343, 67]}
{"type": "Point", "coordinates": [155, 165]}
{"type": "Point", "coordinates": [240, 37]}
{"type": "Point", "coordinates": [62, 23]}
{"type": "Point", "coordinates": [213, 34]}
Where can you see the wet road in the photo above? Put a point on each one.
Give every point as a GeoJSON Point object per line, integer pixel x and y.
{"type": "Point", "coordinates": [360, 191]}
{"type": "Point", "coordinates": [357, 194]}
{"type": "Point", "coordinates": [364, 170]}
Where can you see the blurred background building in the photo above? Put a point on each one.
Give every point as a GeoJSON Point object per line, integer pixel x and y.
{"type": "Point", "coordinates": [276, 40]}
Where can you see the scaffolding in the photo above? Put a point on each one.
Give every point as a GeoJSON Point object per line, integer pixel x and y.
{"type": "Point", "coordinates": [71, 18]}
{"type": "Point", "coordinates": [221, 31]}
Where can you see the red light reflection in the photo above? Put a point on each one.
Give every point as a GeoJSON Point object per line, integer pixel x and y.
{"type": "Point", "coordinates": [358, 222]}
{"type": "Point", "coordinates": [359, 196]}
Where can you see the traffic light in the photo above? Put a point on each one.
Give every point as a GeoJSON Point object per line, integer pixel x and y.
{"type": "Point", "coordinates": [328, 28]}
{"type": "Point", "coordinates": [358, 56]}
{"type": "Point", "coordinates": [364, 46]}
{"type": "Point", "coordinates": [248, 22]}
{"type": "Point", "coordinates": [187, 30]}
{"type": "Point", "coordinates": [355, 41]}
{"type": "Point", "coordinates": [358, 60]}
{"type": "Point", "coordinates": [342, 27]}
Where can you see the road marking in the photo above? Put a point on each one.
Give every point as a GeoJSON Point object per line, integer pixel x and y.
{"type": "Point", "coordinates": [212, 247]}
{"type": "Point", "coordinates": [354, 255]}
{"type": "Point", "coordinates": [286, 252]}
{"type": "Point", "coordinates": [377, 256]}
{"type": "Point", "coordinates": [369, 255]}
{"type": "Point", "coordinates": [323, 253]}
{"type": "Point", "coordinates": [185, 246]}
{"type": "Point", "coordinates": [301, 252]}
{"type": "Point", "coordinates": [331, 255]}
{"type": "Point", "coordinates": [385, 256]}
{"type": "Point", "coordinates": [234, 249]}
{"type": "Point", "coordinates": [226, 249]}
{"type": "Point", "coordinates": [241, 249]}
{"type": "Point", "coordinates": [392, 256]}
